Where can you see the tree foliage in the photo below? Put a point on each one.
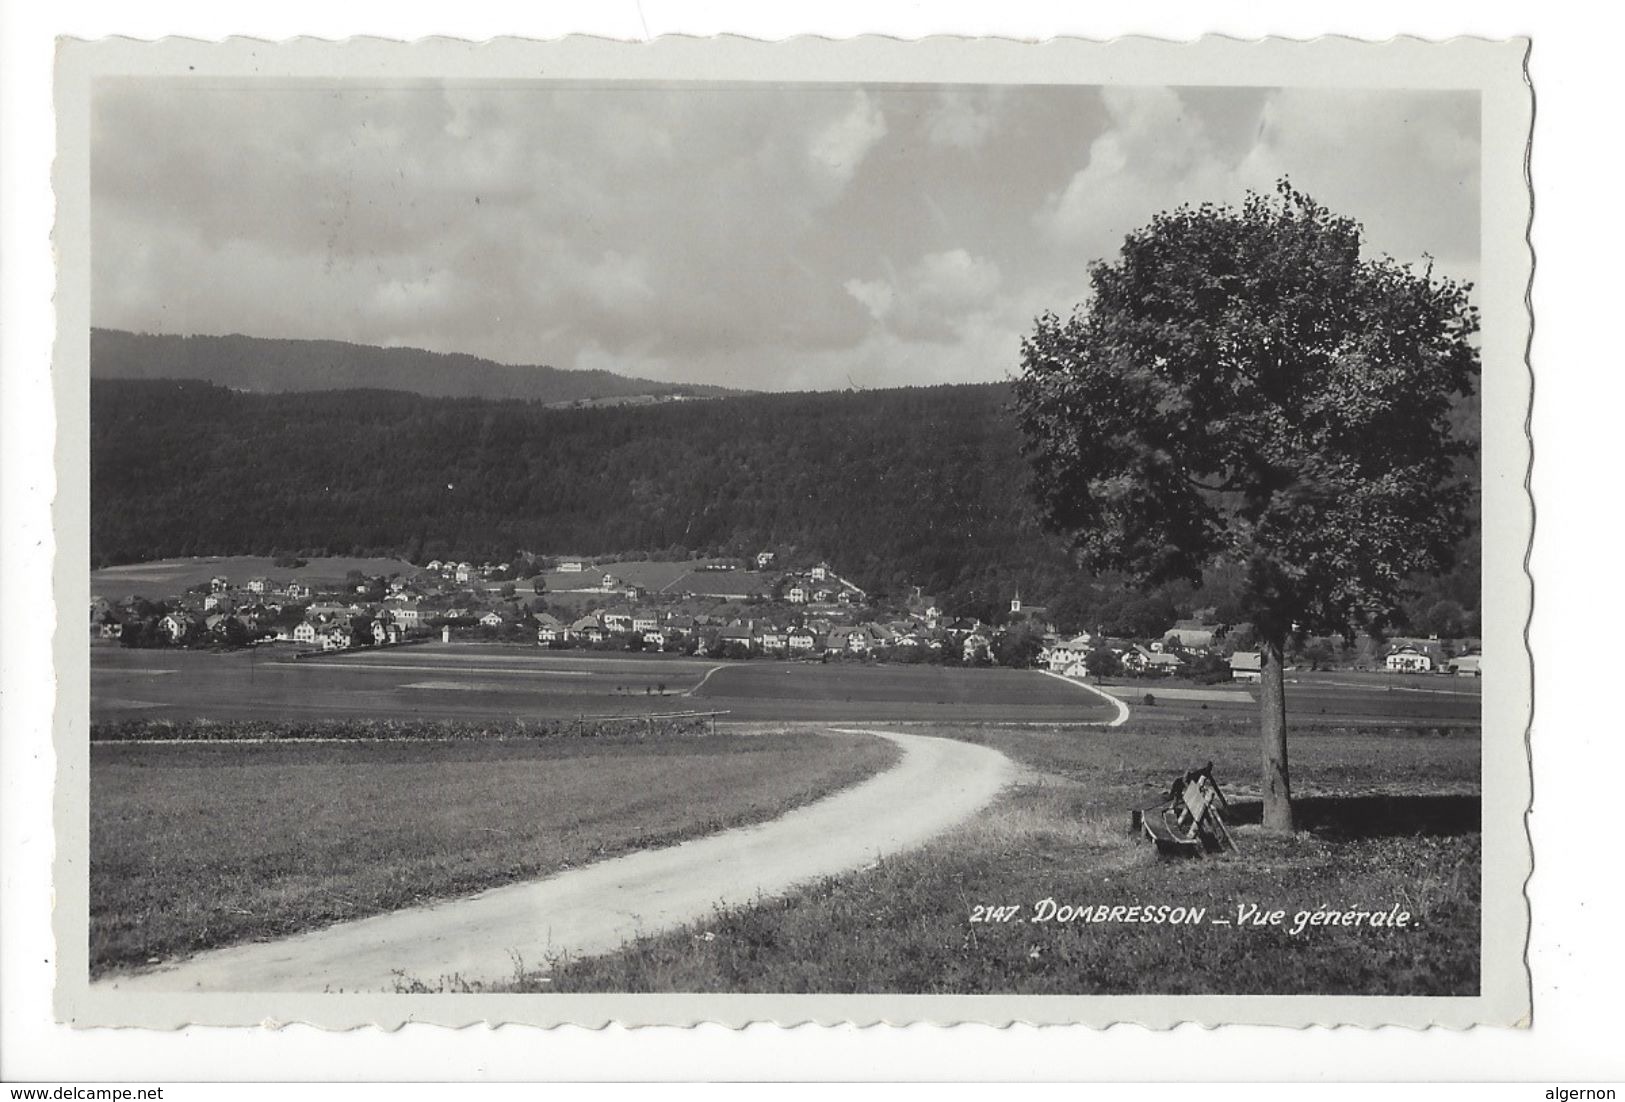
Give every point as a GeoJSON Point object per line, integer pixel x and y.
{"type": "Point", "coordinates": [1246, 391]}
{"type": "Point", "coordinates": [1245, 388]}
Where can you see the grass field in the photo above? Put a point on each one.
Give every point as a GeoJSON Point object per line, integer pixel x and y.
{"type": "Point", "coordinates": [671, 578]}
{"type": "Point", "coordinates": [906, 925]}
{"type": "Point", "coordinates": [167, 577]}
{"type": "Point", "coordinates": [467, 681]}
{"type": "Point", "coordinates": [195, 846]}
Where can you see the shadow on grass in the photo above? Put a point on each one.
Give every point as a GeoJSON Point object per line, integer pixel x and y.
{"type": "Point", "coordinates": [1373, 816]}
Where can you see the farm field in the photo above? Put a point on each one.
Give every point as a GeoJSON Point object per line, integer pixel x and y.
{"type": "Point", "coordinates": [196, 846]}
{"type": "Point", "coordinates": [1388, 817]}
{"type": "Point", "coordinates": [1340, 696]}
{"type": "Point", "coordinates": [166, 577]}
{"type": "Point", "coordinates": [459, 681]}
{"type": "Point", "coordinates": [682, 576]}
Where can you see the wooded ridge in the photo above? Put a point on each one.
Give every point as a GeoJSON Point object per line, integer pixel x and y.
{"type": "Point", "coordinates": [265, 365]}
{"type": "Point", "coordinates": [897, 488]}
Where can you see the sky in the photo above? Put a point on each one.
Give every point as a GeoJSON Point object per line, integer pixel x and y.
{"type": "Point", "coordinates": [767, 237]}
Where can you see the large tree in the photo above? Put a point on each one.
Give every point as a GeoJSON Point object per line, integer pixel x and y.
{"type": "Point", "coordinates": [1244, 387]}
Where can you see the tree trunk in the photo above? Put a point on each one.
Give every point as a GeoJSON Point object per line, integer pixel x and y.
{"type": "Point", "coordinates": [1272, 727]}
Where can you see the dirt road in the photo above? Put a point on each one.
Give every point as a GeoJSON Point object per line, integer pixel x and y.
{"type": "Point", "coordinates": [936, 784]}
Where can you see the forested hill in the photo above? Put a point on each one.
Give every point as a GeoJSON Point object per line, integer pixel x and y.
{"type": "Point", "coordinates": [259, 364]}
{"type": "Point", "coordinates": [916, 486]}
{"type": "Point", "coordinates": [896, 488]}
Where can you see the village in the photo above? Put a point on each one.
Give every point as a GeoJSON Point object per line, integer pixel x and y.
{"type": "Point", "coordinates": [725, 609]}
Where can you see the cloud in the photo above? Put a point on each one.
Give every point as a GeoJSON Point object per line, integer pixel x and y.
{"type": "Point", "coordinates": [764, 236]}
{"type": "Point", "coordinates": [1154, 154]}
{"type": "Point", "coordinates": [840, 147]}
{"type": "Point", "coordinates": [936, 299]}
{"type": "Point", "coordinates": [1404, 164]}
{"type": "Point", "coordinates": [963, 119]}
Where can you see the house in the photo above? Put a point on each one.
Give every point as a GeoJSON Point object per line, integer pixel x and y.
{"type": "Point", "coordinates": [218, 601]}
{"type": "Point", "coordinates": [820, 572]}
{"type": "Point", "coordinates": [800, 640]}
{"type": "Point", "coordinates": [736, 633]}
{"type": "Point", "coordinates": [297, 592]}
{"type": "Point", "coordinates": [407, 615]}
{"type": "Point", "coordinates": [386, 631]}
{"type": "Point", "coordinates": [335, 636]}
{"type": "Point", "coordinates": [1409, 658]}
{"type": "Point", "coordinates": [1065, 654]}
{"type": "Point", "coordinates": [219, 583]}
{"type": "Point", "coordinates": [572, 566]}
{"type": "Point", "coordinates": [796, 595]}
{"type": "Point", "coordinates": [772, 640]}
{"type": "Point", "coordinates": [493, 619]}
{"type": "Point", "coordinates": [634, 592]}
{"type": "Point", "coordinates": [609, 581]}
{"type": "Point", "coordinates": [1166, 663]}
{"type": "Point", "coordinates": [617, 619]}
{"type": "Point", "coordinates": [656, 639]}
{"type": "Point", "coordinates": [1190, 635]}
{"type": "Point", "coordinates": [1143, 660]}
{"type": "Point", "coordinates": [464, 572]}
{"type": "Point", "coordinates": [974, 647]}
{"type": "Point", "coordinates": [1246, 665]}
{"type": "Point", "coordinates": [643, 620]}
{"type": "Point", "coordinates": [110, 629]}
{"type": "Point", "coordinates": [681, 625]}
{"type": "Point", "coordinates": [259, 585]}
{"type": "Point", "coordinates": [823, 595]}
{"type": "Point", "coordinates": [764, 559]}
{"type": "Point", "coordinates": [1466, 665]}
{"type": "Point", "coordinates": [177, 625]}
{"type": "Point", "coordinates": [434, 565]}
{"type": "Point", "coordinates": [588, 628]}
{"type": "Point", "coordinates": [305, 632]}
{"type": "Point", "coordinates": [550, 629]}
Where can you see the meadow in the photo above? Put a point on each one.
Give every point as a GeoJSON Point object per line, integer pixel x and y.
{"type": "Point", "coordinates": [209, 844]}
{"type": "Point", "coordinates": [464, 681]}
{"type": "Point", "coordinates": [1389, 818]}
{"type": "Point", "coordinates": [167, 577]}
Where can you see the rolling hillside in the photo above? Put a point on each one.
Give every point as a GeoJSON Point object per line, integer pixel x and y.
{"type": "Point", "coordinates": [261, 365]}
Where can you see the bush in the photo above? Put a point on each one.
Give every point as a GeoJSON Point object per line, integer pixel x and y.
{"type": "Point", "coordinates": [1148, 700]}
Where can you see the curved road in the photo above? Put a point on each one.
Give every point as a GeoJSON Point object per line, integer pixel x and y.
{"type": "Point", "coordinates": [1118, 718]}
{"type": "Point", "coordinates": [938, 783]}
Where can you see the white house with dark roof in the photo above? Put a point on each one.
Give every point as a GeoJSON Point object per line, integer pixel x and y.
{"type": "Point", "coordinates": [1246, 665]}
{"type": "Point", "coordinates": [1409, 658]}
{"type": "Point", "coordinates": [1191, 635]}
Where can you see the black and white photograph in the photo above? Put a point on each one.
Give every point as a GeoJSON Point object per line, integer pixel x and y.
{"type": "Point", "coordinates": [811, 537]}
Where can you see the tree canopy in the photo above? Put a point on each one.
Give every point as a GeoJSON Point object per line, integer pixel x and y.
{"type": "Point", "coordinates": [1245, 389]}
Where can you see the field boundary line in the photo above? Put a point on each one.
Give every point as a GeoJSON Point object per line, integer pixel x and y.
{"type": "Point", "coordinates": [1122, 708]}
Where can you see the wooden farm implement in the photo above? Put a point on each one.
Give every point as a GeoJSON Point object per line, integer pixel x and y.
{"type": "Point", "coordinates": [1190, 819]}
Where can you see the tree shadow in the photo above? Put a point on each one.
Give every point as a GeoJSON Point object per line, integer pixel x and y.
{"type": "Point", "coordinates": [1373, 816]}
